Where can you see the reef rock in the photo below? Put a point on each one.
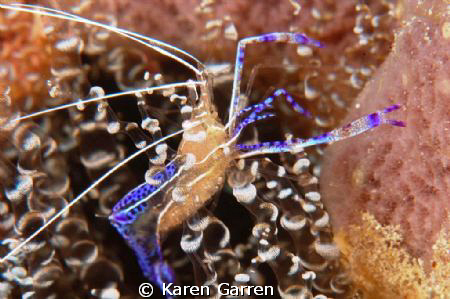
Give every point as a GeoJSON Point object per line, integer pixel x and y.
{"type": "Point", "coordinates": [400, 176]}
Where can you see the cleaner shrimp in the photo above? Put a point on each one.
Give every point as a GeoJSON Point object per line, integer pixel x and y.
{"type": "Point", "coordinates": [180, 183]}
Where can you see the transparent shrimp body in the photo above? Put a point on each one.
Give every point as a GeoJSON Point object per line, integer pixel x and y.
{"type": "Point", "coordinates": [176, 191]}
{"type": "Point", "coordinates": [148, 212]}
{"type": "Point", "coordinates": [210, 148]}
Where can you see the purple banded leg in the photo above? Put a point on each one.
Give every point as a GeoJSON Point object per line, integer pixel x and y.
{"type": "Point", "coordinates": [148, 252]}
{"type": "Point", "coordinates": [266, 104]}
{"type": "Point", "coordinates": [292, 38]}
{"type": "Point", "coordinates": [354, 128]}
{"type": "Point", "coordinates": [250, 120]}
{"type": "Point", "coordinates": [135, 217]}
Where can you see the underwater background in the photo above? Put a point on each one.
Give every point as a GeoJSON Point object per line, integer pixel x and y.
{"type": "Point", "coordinates": [386, 191]}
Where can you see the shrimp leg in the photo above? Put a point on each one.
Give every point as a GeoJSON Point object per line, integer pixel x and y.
{"type": "Point", "coordinates": [354, 128]}
{"type": "Point", "coordinates": [292, 38]}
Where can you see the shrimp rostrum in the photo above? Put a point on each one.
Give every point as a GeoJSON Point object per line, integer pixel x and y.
{"type": "Point", "coordinates": [179, 183]}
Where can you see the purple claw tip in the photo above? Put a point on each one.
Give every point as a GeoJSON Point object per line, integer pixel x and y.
{"type": "Point", "coordinates": [397, 123]}
{"type": "Point", "coordinates": [391, 108]}
{"type": "Point", "coordinates": [303, 39]}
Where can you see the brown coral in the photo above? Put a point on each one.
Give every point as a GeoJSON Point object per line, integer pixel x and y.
{"type": "Point", "coordinates": [401, 176]}
{"type": "Point", "coordinates": [382, 268]}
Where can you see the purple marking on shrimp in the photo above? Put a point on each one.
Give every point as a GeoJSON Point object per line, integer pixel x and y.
{"type": "Point", "coordinates": [391, 108]}
{"type": "Point", "coordinates": [266, 104]}
{"type": "Point", "coordinates": [322, 136]}
{"type": "Point", "coordinates": [303, 39]}
{"type": "Point", "coordinates": [270, 37]}
{"type": "Point", "coordinates": [374, 120]}
{"type": "Point", "coordinates": [397, 123]}
{"type": "Point", "coordinates": [369, 121]}
{"type": "Point", "coordinates": [288, 37]}
{"type": "Point", "coordinates": [125, 216]}
{"type": "Point", "coordinates": [241, 55]}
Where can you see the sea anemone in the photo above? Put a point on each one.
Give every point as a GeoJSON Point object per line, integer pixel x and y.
{"type": "Point", "coordinates": [46, 162]}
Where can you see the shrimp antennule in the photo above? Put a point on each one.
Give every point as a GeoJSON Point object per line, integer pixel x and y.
{"type": "Point", "coordinates": [110, 96]}
{"type": "Point", "coordinates": [151, 43]}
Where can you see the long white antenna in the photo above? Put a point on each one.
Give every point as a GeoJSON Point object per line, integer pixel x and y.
{"type": "Point", "coordinates": [153, 43]}
{"type": "Point", "coordinates": [110, 96]}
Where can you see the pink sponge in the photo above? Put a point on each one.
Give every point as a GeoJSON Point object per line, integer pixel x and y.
{"type": "Point", "coordinates": [400, 175]}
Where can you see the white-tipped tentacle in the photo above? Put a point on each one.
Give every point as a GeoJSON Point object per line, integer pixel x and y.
{"type": "Point", "coordinates": [86, 191]}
